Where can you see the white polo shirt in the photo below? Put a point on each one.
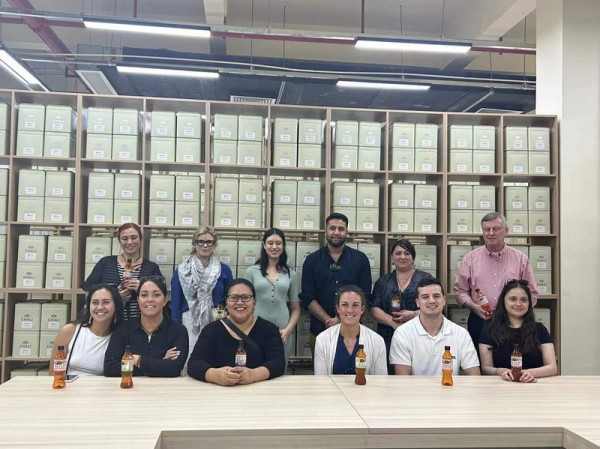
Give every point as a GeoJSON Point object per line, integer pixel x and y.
{"type": "Point", "coordinates": [413, 346]}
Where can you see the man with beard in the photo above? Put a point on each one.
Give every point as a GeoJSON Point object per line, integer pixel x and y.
{"type": "Point", "coordinates": [326, 270]}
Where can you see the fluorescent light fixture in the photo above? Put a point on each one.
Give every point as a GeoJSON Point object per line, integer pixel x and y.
{"type": "Point", "coordinates": [166, 72]}
{"type": "Point", "coordinates": [412, 45]}
{"type": "Point", "coordinates": [137, 26]}
{"type": "Point", "coordinates": [375, 85]}
{"type": "Point", "coordinates": [18, 70]}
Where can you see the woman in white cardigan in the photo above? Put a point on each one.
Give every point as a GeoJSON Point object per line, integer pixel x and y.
{"type": "Point", "coordinates": [336, 346]}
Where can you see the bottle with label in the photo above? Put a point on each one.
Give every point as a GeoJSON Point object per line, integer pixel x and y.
{"type": "Point", "coordinates": [127, 272]}
{"type": "Point", "coordinates": [516, 363]}
{"type": "Point", "coordinates": [483, 302]}
{"type": "Point", "coordinates": [220, 312]}
{"type": "Point", "coordinates": [447, 367]}
{"type": "Point", "coordinates": [395, 302]}
{"type": "Point", "coordinates": [360, 366]}
{"type": "Point", "coordinates": [127, 368]}
{"type": "Point", "coordinates": [240, 355]}
{"type": "Point", "coordinates": [59, 368]}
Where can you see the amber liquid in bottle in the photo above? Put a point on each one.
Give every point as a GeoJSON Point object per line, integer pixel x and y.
{"type": "Point", "coordinates": [220, 312]}
{"type": "Point", "coordinates": [395, 303]}
{"type": "Point", "coordinates": [447, 367]}
{"type": "Point", "coordinates": [483, 302]}
{"type": "Point", "coordinates": [360, 366]}
{"type": "Point", "coordinates": [516, 363]}
{"type": "Point", "coordinates": [240, 355]}
{"type": "Point", "coordinates": [59, 368]}
{"type": "Point", "coordinates": [127, 272]}
{"type": "Point", "coordinates": [127, 368]}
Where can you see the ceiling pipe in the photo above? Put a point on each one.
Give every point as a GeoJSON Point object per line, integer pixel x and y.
{"type": "Point", "coordinates": [362, 16]}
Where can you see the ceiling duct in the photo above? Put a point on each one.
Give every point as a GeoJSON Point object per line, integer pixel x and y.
{"type": "Point", "coordinates": [243, 99]}
{"type": "Point", "coordinates": [97, 82]}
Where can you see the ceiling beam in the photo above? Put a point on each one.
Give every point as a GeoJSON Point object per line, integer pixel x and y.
{"type": "Point", "coordinates": [507, 21]}
{"type": "Point", "coordinates": [215, 14]}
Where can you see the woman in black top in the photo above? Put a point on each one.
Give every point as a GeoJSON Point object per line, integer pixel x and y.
{"type": "Point", "coordinates": [513, 323]}
{"type": "Point", "coordinates": [214, 356]}
{"type": "Point", "coordinates": [393, 302]}
{"type": "Point", "coordinates": [159, 345]}
{"type": "Point", "coordinates": [110, 269]}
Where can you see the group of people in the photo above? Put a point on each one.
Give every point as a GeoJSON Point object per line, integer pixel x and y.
{"type": "Point", "coordinates": [210, 315]}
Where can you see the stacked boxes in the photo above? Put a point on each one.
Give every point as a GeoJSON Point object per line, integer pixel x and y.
{"type": "Point", "coordinates": [99, 133]}
{"type": "Point", "coordinates": [58, 197]}
{"type": "Point", "coordinates": [425, 208]}
{"type": "Point", "coordinates": [30, 130]}
{"type": "Point", "coordinates": [188, 145]}
{"type": "Point", "coordinates": [162, 140]}
{"type": "Point", "coordinates": [125, 134]}
{"type": "Point", "coordinates": [359, 201]}
{"type": "Point", "coordinates": [162, 200]}
{"type": "Point", "coordinates": [296, 204]}
{"type": "Point", "coordinates": [226, 200]}
{"type": "Point", "coordinates": [369, 146]}
{"type": "Point", "coordinates": [95, 249]}
{"type": "Point", "coordinates": [126, 198]}
{"type": "Point", "coordinates": [357, 145]}
{"type": "Point", "coordinates": [457, 252]}
{"type": "Point", "coordinates": [101, 187]}
{"type": "Point", "coordinates": [310, 140]}
{"type": "Point", "coordinates": [38, 268]}
{"type": "Point", "coordinates": [297, 143]}
{"type": "Point", "coordinates": [53, 317]}
{"type": "Point", "coordinates": [188, 200]}
{"type": "Point", "coordinates": [527, 150]}
{"type": "Point", "coordinates": [413, 208]}
{"type": "Point", "coordinates": [237, 140]}
{"type": "Point", "coordinates": [112, 134]}
{"type": "Point", "coordinates": [308, 211]}
{"type": "Point", "coordinates": [2, 263]}
{"type": "Point", "coordinates": [528, 209]}
{"type": "Point", "coordinates": [426, 259]}
{"type": "Point", "coordinates": [484, 202]}
{"type": "Point", "coordinates": [35, 327]}
{"type": "Point", "coordinates": [175, 137]}
{"type": "Point", "coordinates": [227, 252]}
{"type": "Point", "coordinates": [58, 141]}
{"type": "Point", "coordinates": [59, 262]}
{"type": "Point", "coordinates": [414, 147]}
{"type": "Point", "coordinates": [3, 193]}
{"type": "Point", "coordinates": [162, 252]}
{"type": "Point", "coordinates": [4, 128]}
{"type": "Point", "coordinates": [248, 254]}
{"type": "Point", "coordinates": [31, 195]}
{"type": "Point", "coordinates": [468, 205]}
{"type": "Point", "coordinates": [250, 208]}
{"type": "Point", "coordinates": [472, 149]}
{"type": "Point", "coordinates": [541, 263]}
{"type": "Point", "coordinates": [373, 253]}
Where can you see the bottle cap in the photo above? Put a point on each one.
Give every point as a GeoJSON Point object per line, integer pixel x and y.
{"type": "Point", "coordinates": [447, 348]}
{"type": "Point", "coordinates": [61, 348]}
{"type": "Point", "coordinates": [516, 345]}
{"type": "Point", "coordinates": [361, 346]}
{"type": "Point", "coordinates": [127, 347]}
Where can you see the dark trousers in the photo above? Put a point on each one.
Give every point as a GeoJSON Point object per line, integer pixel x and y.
{"type": "Point", "coordinates": [475, 326]}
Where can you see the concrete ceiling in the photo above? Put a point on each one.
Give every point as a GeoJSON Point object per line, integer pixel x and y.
{"type": "Point", "coordinates": [509, 21]}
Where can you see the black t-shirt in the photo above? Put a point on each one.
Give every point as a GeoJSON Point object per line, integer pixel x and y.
{"type": "Point", "coordinates": [501, 355]}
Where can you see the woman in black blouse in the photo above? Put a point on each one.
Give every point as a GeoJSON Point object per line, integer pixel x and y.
{"type": "Point", "coordinates": [393, 302]}
{"type": "Point", "coordinates": [214, 356]}
{"type": "Point", "coordinates": [513, 323]}
{"type": "Point", "coordinates": [159, 345]}
{"type": "Point", "coordinates": [110, 269]}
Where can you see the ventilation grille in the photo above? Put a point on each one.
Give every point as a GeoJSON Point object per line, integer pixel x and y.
{"type": "Point", "coordinates": [497, 111]}
{"type": "Point", "coordinates": [259, 100]}
{"type": "Point", "coordinates": [97, 82]}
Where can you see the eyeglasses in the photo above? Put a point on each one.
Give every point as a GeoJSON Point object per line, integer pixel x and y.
{"type": "Point", "coordinates": [334, 267]}
{"type": "Point", "coordinates": [207, 243]}
{"type": "Point", "coordinates": [496, 229]}
{"type": "Point", "coordinates": [235, 298]}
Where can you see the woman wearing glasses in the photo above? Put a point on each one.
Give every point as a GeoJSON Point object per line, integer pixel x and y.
{"type": "Point", "coordinates": [124, 270]}
{"type": "Point", "coordinates": [513, 322]}
{"type": "Point", "coordinates": [159, 345]}
{"type": "Point", "coordinates": [276, 285]}
{"type": "Point", "coordinates": [214, 356]}
{"type": "Point", "coordinates": [393, 301]}
{"type": "Point", "coordinates": [198, 284]}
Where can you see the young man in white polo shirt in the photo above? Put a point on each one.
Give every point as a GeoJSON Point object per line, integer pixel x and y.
{"type": "Point", "coordinates": [418, 345]}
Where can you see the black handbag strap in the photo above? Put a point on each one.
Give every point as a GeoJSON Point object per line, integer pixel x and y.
{"type": "Point", "coordinates": [72, 348]}
{"type": "Point", "coordinates": [249, 342]}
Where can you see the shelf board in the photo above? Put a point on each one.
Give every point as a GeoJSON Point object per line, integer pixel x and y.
{"type": "Point", "coordinates": [196, 167]}
{"type": "Point", "coordinates": [259, 170]}
{"type": "Point", "coordinates": [113, 164]}
{"type": "Point", "coordinates": [304, 172]}
{"type": "Point", "coordinates": [43, 161]}
{"type": "Point", "coordinates": [414, 175]}
{"type": "Point", "coordinates": [517, 177]}
{"type": "Point", "coordinates": [531, 235]}
{"type": "Point", "coordinates": [399, 234]}
{"type": "Point", "coordinates": [26, 359]}
{"type": "Point", "coordinates": [474, 177]}
{"type": "Point", "coordinates": [44, 291]}
{"type": "Point", "coordinates": [42, 224]}
{"type": "Point", "coordinates": [356, 174]}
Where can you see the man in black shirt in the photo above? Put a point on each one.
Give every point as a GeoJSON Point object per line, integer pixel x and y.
{"type": "Point", "coordinates": [326, 270]}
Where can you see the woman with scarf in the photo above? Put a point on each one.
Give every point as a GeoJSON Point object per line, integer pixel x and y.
{"type": "Point", "coordinates": [198, 284]}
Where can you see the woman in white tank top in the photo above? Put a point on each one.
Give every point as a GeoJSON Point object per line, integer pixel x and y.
{"type": "Point", "coordinates": [86, 340]}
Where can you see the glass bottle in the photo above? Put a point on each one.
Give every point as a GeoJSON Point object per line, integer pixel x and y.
{"type": "Point", "coordinates": [220, 312]}
{"type": "Point", "coordinates": [127, 368]}
{"type": "Point", "coordinates": [59, 368]}
{"type": "Point", "coordinates": [447, 367]}
{"type": "Point", "coordinates": [127, 272]}
{"type": "Point", "coordinates": [483, 302]}
{"type": "Point", "coordinates": [516, 363]}
{"type": "Point", "coordinates": [395, 302]}
{"type": "Point", "coordinates": [360, 366]}
{"type": "Point", "coordinates": [240, 355]}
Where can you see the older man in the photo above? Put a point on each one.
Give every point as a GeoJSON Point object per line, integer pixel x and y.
{"type": "Point", "coordinates": [418, 345]}
{"type": "Point", "coordinates": [488, 268]}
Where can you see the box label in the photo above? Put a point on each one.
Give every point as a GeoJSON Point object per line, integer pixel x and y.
{"type": "Point", "coordinates": [189, 158]}
{"type": "Point", "coordinates": [28, 151]}
{"type": "Point", "coordinates": [426, 203]}
{"type": "Point", "coordinates": [57, 283]}
{"type": "Point", "coordinates": [368, 226]}
{"type": "Point", "coordinates": [310, 137]}
{"type": "Point", "coordinates": [161, 220]}
{"type": "Point", "coordinates": [402, 227]}
{"type": "Point", "coordinates": [250, 135]}
{"type": "Point", "coordinates": [427, 143]}
{"type": "Point", "coordinates": [100, 193]}
{"type": "Point", "coordinates": [250, 222]}
{"type": "Point", "coordinates": [518, 144]}
{"type": "Point", "coordinates": [60, 257]}
{"type": "Point", "coordinates": [517, 205]}
{"type": "Point", "coordinates": [248, 159]}
{"type": "Point", "coordinates": [161, 194]}
{"type": "Point", "coordinates": [346, 164]}
{"type": "Point", "coordinates": [484, 168]}
{"type": "Point", "coordinates": [188, 195]}
{"type": "Point", "coordinates": [189, 131]}
{"type": "Point", "coordinates": [27, 283]}
{"type": "Point", "coordinates": [284, 162]}
{"type": "Point", "coordinates": [517, 228]}
{"type": "Point", "coordinates": [187, 220]}
{"type": "Point", "coordinates": [461, 204]}
{"type": "Point", "coordinates": [284, 223]}
{"type": "Point", "coordinates": [29, 216]}
{"type": "Point", "coordinates": [308, 224]}
{"type": "Point", "coordinates": [518, 168]}
{"type": "Point", "coordinates": [426, 167]}
{"type": "Point", "coordinates": [99, 218]}
{"type": "Point", "coordinates": [249, 260]}
{"type": "Point", "coordinates": [540, 204]}
{"type": "Point", "coordinates": [285, 137]}
{"type": "Point", "coordinates": [161, 258]}
{"type": "Point", "coordinates": [403, 166]}
{"type": "Point", "coordinates": [403, 203]}
{"type": "Point", "coordinates": [30, 256]}
{"type": "Point", "coordinates": [461, 167]}
{"type": "Point", "coordinates": [309, 162]}
{"type": "Point", "coordinates": [56, 217]}
{"type": "Point", "coordinates": [368, 202]}
{"type": "Point", "coordinates": [124, 154]}
{"type": "Point", "coordinates": [162, 156]}
{"type": "Point", "coordinates": [370, 165]}
{"type": "Point", "coordinates": [541, 265]}
{"type": "Point", "coordinates": [99, 128]}
{"type": "Point", "coordinates": [57, 126]}
{"type": "Point", "coordinates": [462, 228]}
{"type": "Point", "coordinates": [125, 129]}
{"type": "Point", "coordinates": [309, 200]}
{"type": "Point", "coordinates": [461, 143]}
{"type": "Point", "coordinates": [29, 125]}
{"type": "Point", "coordinates": [126, 218]}
{"type": "Point", "coordinates": [56, 152]}
{"type": "Point", "coordinates": [30, 190]}
{"type": "Point", "coordinates": [225, 134]}
{"type": "Point", "coordinates": [426, 227]}
{"type": "Point", "coordinates": [98, 153]}
{"type": "Point", "coordinates": [285, 199]}
{"type": "Point", "coordinates": [484, 204]}
{"type": "Point", "coordinates": [484, 143]}
{"type": "Point", "coordinates": [224, 159]}
{"type": "Point", "coordinates": [57, 191]}
{"type": "Point", "coordinates": [251, 198]}
{"type": "Point", "coordinates": [225, 221]}
{"type": "Point", "coordinates": [162, 130]}
{"type": "Point", "coordinates": [403, 142]}
{"type": "Point", "coordinates": [541, 229]}
{"type": "Point", "coordinates": [345, 201]}
{"type": "Point", "coordinates": [127, 193]}
{"type": "Point", "coordinates": [226, 197]}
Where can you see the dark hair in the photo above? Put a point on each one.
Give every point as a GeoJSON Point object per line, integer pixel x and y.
{"type": "Point", "coordinates": [240, 281]}
{"type": "Point", "coordinates": [86, 318]}
{"type": "Point", "coordinates": [351, 289]}
{"type": "Point", "coordinates": [499, 330]}
{"type": "Point", "coordinates": [126, 226]}
{"type": "Point", "coordinates": [161, 283]}
{"type": "Point", "coordinates": [406, 245]}
{"type": "Point", "coordinates": [336, 216]}
{"type": "Point", "coordinates": [263, 260]}
{"type": "Point", "coordinates": [429, 281]}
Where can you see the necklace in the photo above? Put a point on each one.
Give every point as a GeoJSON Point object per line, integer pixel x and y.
{"type": "Point", "coordinates": [149, 333]}
{"type": "Point", "coordinates": [403, 283]}
{"type": "Point", "coordinates": [133, 262]}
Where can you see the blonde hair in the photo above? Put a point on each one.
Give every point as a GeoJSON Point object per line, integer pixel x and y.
{"type": "Point", "coordinates": [203, 230]}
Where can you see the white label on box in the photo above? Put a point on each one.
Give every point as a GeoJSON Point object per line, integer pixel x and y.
{"type": "Point", "coordinates": [370, 140]}
{"type": "Point", "coordinates": [97, 257]}
{"type": "Point", "coordinates": [425, 227]}
{"type": "Point", "coordinates": [124, 154]}
{"type": "Point", "coordinates": [461, 143]}
{"type": "Point", "coordinates": [57, 191]}
{"type": "Point", "coordinates": [27, 283]}
{"type": "Point", "coordinates": [30, 190]}
{"type": "Point", "coordinates": [426, 203]}
{"type": "Point", "coordinates": [285, 137]}
{"type": "Point", "coordinates": [542, 289]}
{"type": "Point", "coordinates": [49, 351]}
{"type": "Point", "coordinates": [462, 204]}
{"type": "Point", "coordinates": [310, 137]}
{"type": "Point", "coordinates": [188, 131]}
{"type": "Point", "coordinates": [161, 258]}
{"type": "Point", "coordinates": [99, 218]}
{"type": "Point", "coordinates": [224, 159]}
{"type": "Point", "coordinates": [540, 229]}
{"type": "Point", "coordinates": [517, 205]}
{"type": "Point", "coordinates": [403, 166]}
{"type": "Point", "coordinates": [284, 223]}
{"type": "Point", "coordinates": [26, 324]}
{"type": "Point", "coordinates": [25, 351]}
{"type": "Point", "coordinates": [517, 228]}
{"type": "Point", "coordinates": [370, 165]}
{"type": "Point", "coordinates": [309, 200]}
{"type": "Point", "coordinates": [426, 264]}
{"type": "Point", "coordinates": [403, 142]}
{"type": "Point", "coordinates": [189, 158]}
{"type": "Point", "coordinates": [368, 202]}
{"type": "Point", "coordinates": [484, 204]}
{"type": "Point", "coordinates": [162, 156]}
{"type": "Point", "coordinates": [540, 169]}
{"type": "Point", "coordinates": [462, 228]}
{"type": "Point", "coordinates": [541, 265]}
{"type": "Point", "coordinates": [249, 260]}
{"type": "Point", "coordinates": [368, 226]}
{"type": "Point", "coordinates": [347, 140]}
{"type": "Point", "coordinates": [285, 162]}
{"type": "Point", "coordinates": [56, 152]}
{"type": "Point", "coordinates": [100, 193]}
{"type": "Point", "coordinates": [58, 257]}
{"type": "Point", "coordinates": [250, 198]}
{"type": "Point", "coordinates": [188, 195]}
{"type": "Point", "coordinates": [426, 167]}
{"type": "Point", "coordinates": [162, 130]}
{"type": "Point", "coordinates": [461, 167]}
{"type": "Point", "coordinates": [403, 203]}
{"type": "Point", "coordinates": [57, 126]}
{"type": "Point", "coordinates": [29, 125]}
{"type": "Point", "coordinates": [518, 168]}
{"type": "Point", "coordinates": [126, 218]}
{"type": "Point", "coordinates": [53, 325]}
{"type": "Point", "coordinates": [224, 259]}
{"type": "Point", "coordinates": [30, 256]}
{"type": "Point", "coordinates": [540, 204]}
{"type": "Point", "coordinates": [58, 283]}
{"type": "Point", "coordinates": [308, 224]}
{"type": "Point", "coordinates": [225, 196]}
{"type": "Point", "coordinates": [345, 201]}
{"type": "Point", "coordinates": [125, 129]}
{"type": "Point", "coordinates": [484, 143]}
{"type": "Point", "coordinates": [161, 194]}
{"type": "Point", "coordinates": [250, 135]}
{"type": "Point", "coordinates": [402, 227]}
{"type": "Point", "coordinates": [346, 164]}
{"type": "Point", "coordinates": [285, 199]}
{"type": "Point", "coordinates": [225, 134]}
{"type": "Point", "coordinates": [539, 145]}
{"type": "Point", "coordinates": [309, 162]}
{"type": "Point", "coordinates": [187, 220]}
{"type": "Point", "coordinates": [225, 221]}
{"type": "Point", "coordinates": [426, 143]}
{"type": "Point", "coordinates": [99, 128]}
{"type": "Point", "coordinates": [56, 217]}
{"type": "Point", "coordinates": [518, 144]}
{"type": "Point", "coordinates": [98, 153]}
{"type": "Point", "coordinates": [30, 216]}
{"type": "Point", "coordinates": [250, 222]}
{"type": "Point", "coordinates": [127, 193]}
{"type": "Point", "coordinates": [28, 150]}
{"type": "Point", "coordinates": [484, 168]}
{"type": "Point", "coordinates": [161, 220]}
{"type": "Point", "coordinates": [248, 159]}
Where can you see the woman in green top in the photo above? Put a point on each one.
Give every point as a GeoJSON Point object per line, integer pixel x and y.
{"type": "Point", "coordinates": [276, 285]}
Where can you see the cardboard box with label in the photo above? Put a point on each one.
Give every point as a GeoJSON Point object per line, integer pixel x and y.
{"type": "Point", "coordinates": [539, 222]}
{"type": "Point", "coordinates": [401, 220]}
{"type": "Point", "coordinates": [58, 210]}
{"type": "Point", "coordinates": [540, 257]}
{"type": "Point", "coordinates": [309, 193]}
{"type": "Point", "coordinates": [59, 184]}
{"type": "Point", "coordinates": [96, 248]}
{"type": "Point", "coordinates": [403, 135]}
{"type": "Point", "coordinates": [461, 221]}
{"type": "Point", "coordinates": [457, 252]}
{"type": "Point", "coordinates": [461, 137]}
{"type": "Point", "coordinates": [162, 212]}
{"type": "Point", "coordinates": [308, 217]}
{"type": "Point", "coordinates": [345, 157]}
{"type": "Point", "coordinates": [126, 122]}
{"type": "Point", "coordinates": [285, 191]}
{"type": "Point", "coordinates": [32, 182]}
{"type": "Point", "coordinates": [190, 150]}
{"type": "Point", "coordinates": [251, 191]}
{"type": "Point", "coordinates": [30, 143]}
{"type": "Point", "coordinates": [517, 222]}
{"type": "Point", "coordinates": [373, 253]}
{"type": "Point", "coordinates": [226, 215]}
{"type": "Point", "coordinates": [58, 275]}
{"type": "Point", "coordinates": [100, 211]}
{"type": "Point", "coordinates": [187, 188]}
{"type": "Point", "coordinates": [484, 137]}
{"type": "Point", "coordinates": [369, 158]}
{"type": "Point", "coordinates": [26, 343]}
{"type": "Point", "coordinates": [367, 219]}
{"type": "Point", "coordinates": [310, 131]}
{"type": "Point", "coordinates": [162, 187]}
{"type": "Point", "coordinates": [309, 156]}
{"type": "Point", "coordinates": [515, 138]}
{"type": "Point", "coordinates": [426, 160]}
{"type": "Point", "coordinates": [461, 197]}
{"type": "Point", "coordinates": [227, 252]}
{"type": "Point", "coordinates": [426, 196]}
{"type": "Point", "coordinates": [60, 249]}
{"type": "Point", "coordinates": [515, 198]}
{"type": "Point", "coordinates": [349, 212]}
{"type": "Point", "coordinates": [426, 135]}
{"type": "Point", "coordinates": [98, 146]}
{"type": "Point", "coordinates": [403, 159]}
{"type": "Point", "coordinates": [30, 275]}
{"type": "Point", "coordinates": [162, 124]}
{"type": "Point", "coordinates": [538, 138]}
{"type": "Point", "coordinates": [189, 125]}
{"type": "Point", "coordinates": [461, 161]}
{"type": "Point", "coordinates": [225, 127]}
{"type": "Point", "coordinates": [369, 134]}
{"type": "Point", "coordinates": [248, 252]}
{"type": "Point", "coordinates": [187, 213]}
{"type": "Point", "coordinates": [47, 343]}
{"type": "Point", "coordinates": [127, 186]}
{"type": "Point", "coordinates": [58, 145]}
{"type": "Point", "coordinates": [99, 121]}
{"type": "Point", "coordinates": [31, 117]}
{"type": "Point", "coordinates": [101, 185]}
{"type": "Point", "coordinates": [250, 216]}
{"type": "Point", "coordinates": [285, 130]}
{"type": "Point", "coordinates": [285, 155]}
{"type": "Point", "coordinates": [484, 197]}
{"type": "Point", "coordinates": [30, 209]}
{"type": "Point", "coordinates": [31, 248]}
{"type": "Point", "coordinates": [125, 147]}
{"type": "Point", "coordinates": [162, 250]}
{"type": "Point", "coordinates": [539, 198]}
{"type": "Point", "coordinates": [539, 163]}
{"type": "Point", "coordinates": [543, 280]}
{"type": "Point", "coordinates": [126, 211]}
{"type": "Point", "coordinates": [59, 118]}
{"type": "Point", "coordinates": [284, 216]}
{"type": "Point", "coordinates": [226, 190]}
{"type": "Point", "coordinates": [162, 149]}
{"type": "Point", "coordinates": [249, 153]}
{"type": "Point", "coordinates": [303, 249]}
{"type": "Point", "coordinates": [425, 221]}
{"type": "Point", "coordinates": [346, 133]}
{"type": "Point", "coordinates": [426, 257]}
{"type": "Point", "coordinates": [484, 161]}
{"type": "Point", "coordinates": [402, 196]}
{"type": "Point", "coordinates": [250, 127]}
{"type": "Point", "coordinates": [343, 194]}
{"type": "Point", "coordinates": [367, 194]}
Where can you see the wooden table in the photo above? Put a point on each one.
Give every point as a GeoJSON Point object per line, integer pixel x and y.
{"type": "Point", "coordinates": [302, 411]}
